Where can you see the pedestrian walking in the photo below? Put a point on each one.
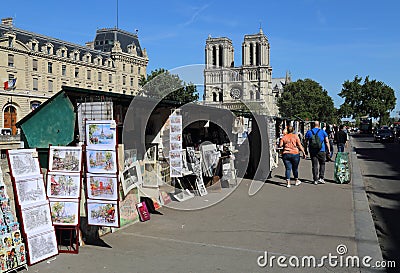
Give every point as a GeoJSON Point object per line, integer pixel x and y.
{"type": "Point", "coordinates": [331, 136]}
{"type": "Point", "coordinates": [341, 139]}
{"type": "Point", "coordinates": [318, 146]}
{"type": "Point", "coordinates": [291, 155]}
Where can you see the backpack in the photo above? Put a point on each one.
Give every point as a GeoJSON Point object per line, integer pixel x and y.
{"type": "Point", "coordinates": [315, 142]}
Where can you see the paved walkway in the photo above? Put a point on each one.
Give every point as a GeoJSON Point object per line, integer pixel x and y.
{"type": "Point", "coordinates": [230, 235]}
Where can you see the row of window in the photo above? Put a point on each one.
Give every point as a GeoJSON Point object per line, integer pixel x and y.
{"type": "Point", "coordinates": [63, 67]}
{"type": "Point", "coordinates": [220, 97]}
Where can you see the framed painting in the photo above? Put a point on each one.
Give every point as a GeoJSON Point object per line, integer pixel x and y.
{"type": "Point", "coordinates": [151, 154]}
{"type": "Point", "coordinates": [64, 211]}
{"type": "Point", "coordinates": [102, 187]}
{"type": "Point", "coordinates": [102, 213]}
{"type": "Point", "coordinates": [210, 157]}
{"type": "Point", "coordinates": [65, 158]}
{"type": "Point", "coordinates": [101, 134]}
{"type": "Point", "coordinates": [36, 217]}
{"type": "Point", "coordinates": [130, 156]}
{"type": "Point", "coordinates": [63, 185]}
{"type": "Point", "coordinates": [42, 246]}
{"type": "Point", "coordinates": [23, 162]}
{"type": "Point", "coordinates": [30, 189]}
{"type": "Point", "coordinates": [131, 177]}
{"type": "Point", "coordinates": [101, 161]}
{"type": "Point", "coordinates": [150, 177]}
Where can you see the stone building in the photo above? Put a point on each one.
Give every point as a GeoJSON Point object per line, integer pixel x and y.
{"type": "Point", "coordinates": [33, 67]}
{"type": "Point", "coordinates": [228, 86]}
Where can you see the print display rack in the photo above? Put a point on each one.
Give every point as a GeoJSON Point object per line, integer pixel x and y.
{"type": "Point", "coordinates": [12, 247]}
{"type": "Point", "coordinates": [32, 205]}
{"type": "Point", "coordinates": [101, 173]}
{"type": "Point", "coordinates": [64, 178]}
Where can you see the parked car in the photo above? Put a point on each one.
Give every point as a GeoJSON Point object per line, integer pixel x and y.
{"type": "Point", "coordinates": [384, 135]}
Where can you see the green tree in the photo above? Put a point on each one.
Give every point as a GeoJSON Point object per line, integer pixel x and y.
{"type": "Point", "coordinates": [306, 99]}
{"type": "Point", "coordinates": [162, 84]}
{"type": "Point", "coordinates": [371, 98]}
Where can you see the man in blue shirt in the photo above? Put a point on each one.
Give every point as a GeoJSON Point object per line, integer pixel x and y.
{"type": "Point", "coordinates": [318, 156]}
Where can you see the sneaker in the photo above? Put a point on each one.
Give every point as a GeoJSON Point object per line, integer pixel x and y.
{"type": "Point", "coordinates": [316, 182]}
{"type": "Point", "coordinates": [321, 180]}
{"type": "Point", "coordinates": [298, 182]}
{"type": "Point", "coordinates": [288, 185]}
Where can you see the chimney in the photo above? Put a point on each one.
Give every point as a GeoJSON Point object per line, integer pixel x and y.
{"type": "Point", "coordinates": [7, 21]}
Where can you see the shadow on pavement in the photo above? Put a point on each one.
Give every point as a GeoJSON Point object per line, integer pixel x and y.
{"type": "Point", "coordinates": [383, 192]}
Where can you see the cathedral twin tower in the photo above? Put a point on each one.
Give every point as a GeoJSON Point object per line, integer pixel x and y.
{"type": "Point", "coordinates": [230, 87]}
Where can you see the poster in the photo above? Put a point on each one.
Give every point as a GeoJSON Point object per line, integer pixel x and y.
{"type": "Point", "coordinates": [103, 213]}
{"type": "Point", "coordinates": [64, 211]}
{"type": "Point", "coordinates": [64, 158]}
{"type": "Point", "coordinates": [175, 142]}
{"type": "Point", "coordinates": [101, 161]}
{"type": "Point", "coordinates": [102, 186]}
{"type": "Point", "coordinates": [101, 134]}
{"type": "Point", "coordinates": [63, 185]}
{"type": "Point", "coordinates": [23, 162]}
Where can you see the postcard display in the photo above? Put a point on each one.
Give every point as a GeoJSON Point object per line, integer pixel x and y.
{"type": "Point", "coordinates": [33, 208]}
{"type": "Point", "coordinates": [102, 173]}
{"type": "Point", "coordinates": [63, 190]}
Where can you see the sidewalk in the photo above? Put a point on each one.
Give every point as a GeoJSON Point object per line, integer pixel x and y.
{"type": "Point", "coordinates": [229, 236]}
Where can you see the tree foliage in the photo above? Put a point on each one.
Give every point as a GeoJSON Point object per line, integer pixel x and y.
{"type": "Point", "coordinates": [306, 99]}
{"type": "Point", "coordinates": [162, 84]}
{"type": "Point", "coordinates": [371, 98]}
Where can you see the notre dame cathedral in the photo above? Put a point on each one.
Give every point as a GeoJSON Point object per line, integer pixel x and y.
{"type": "Point", "coordinates": [251, 84]}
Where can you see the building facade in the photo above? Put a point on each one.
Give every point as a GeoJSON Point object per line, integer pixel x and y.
{"type": "Point", "coordinates": [33, 67]}
{"type": "Point", "coordinates": [228, 86]}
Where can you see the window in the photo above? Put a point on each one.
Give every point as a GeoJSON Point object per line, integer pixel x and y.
{"type": "Point", "coordinates": [76, 57]}
{"type": "Point", "coordinates": [258, 95]}
{"type": "Point", "coordinates": [109, 78]}
{"type": "Point", "coordinates": [131, 81]}
{"type": "Point", "coordinates": [35, 84]}
{"type": "Point", "coordinates": [35, 65]}
{"type": "Point", "coordinates": [35, 104]}
{"type": "Point", "coordinates": [214, 96]}
{"type": "Point", "coordinates": [88, 58]}
{"type": "Point", "coordinates": [123, 80]}
{"type": "Point", "coordinates": [138, 70]}
{"type": "Point", "coordinates": [76, 72]}
{"type": "Point", "coordinates": [131, 69]}
{"type": "Point", "coordinates": [33, 46]}
{"type": "Point", "coordinates": [62, 53]}
{"type": "Point", "coordinates": [251, 54]}
{"type": "Point", "coordinates": [220, 96]}
{"type": "Point", "coordinates": [10, 41]}
{"type": "Point", "coordinates": [99, 76]}
{"type": "Point", "coordinates": [48, 50]}
{"type": "Point", "coordinates": [123, 67]}
{"type": "Point", "coordinates": [64, 70]}
{"type": "Point", "coordinates": [50, 67]}
{"type": "Point", "coordinates": [10, 60]}
{"type": "Point", "coordinates": [50, 86]}
{"type": "Point", "coordinates": [251, 95]}
{"type": "Point", "coordinates": [89, 74]}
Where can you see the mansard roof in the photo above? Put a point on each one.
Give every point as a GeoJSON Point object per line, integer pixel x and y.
{"type": "Point", "coordinates": [125, 38]}
{"type": "Point", "coordinates": [105, 38]}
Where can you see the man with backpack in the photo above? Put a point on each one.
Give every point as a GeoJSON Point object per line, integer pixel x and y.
{"type": "Point", "coordinates": [318, 146]}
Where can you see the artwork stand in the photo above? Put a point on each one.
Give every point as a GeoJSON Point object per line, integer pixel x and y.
{"type": "Point", "coordinates": [67, 239]}
{"type": "Point", "coordinates": [101, 172]}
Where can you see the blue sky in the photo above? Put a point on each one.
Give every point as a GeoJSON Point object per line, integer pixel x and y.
{"type": "Point", "coordinates": [324, 40]}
